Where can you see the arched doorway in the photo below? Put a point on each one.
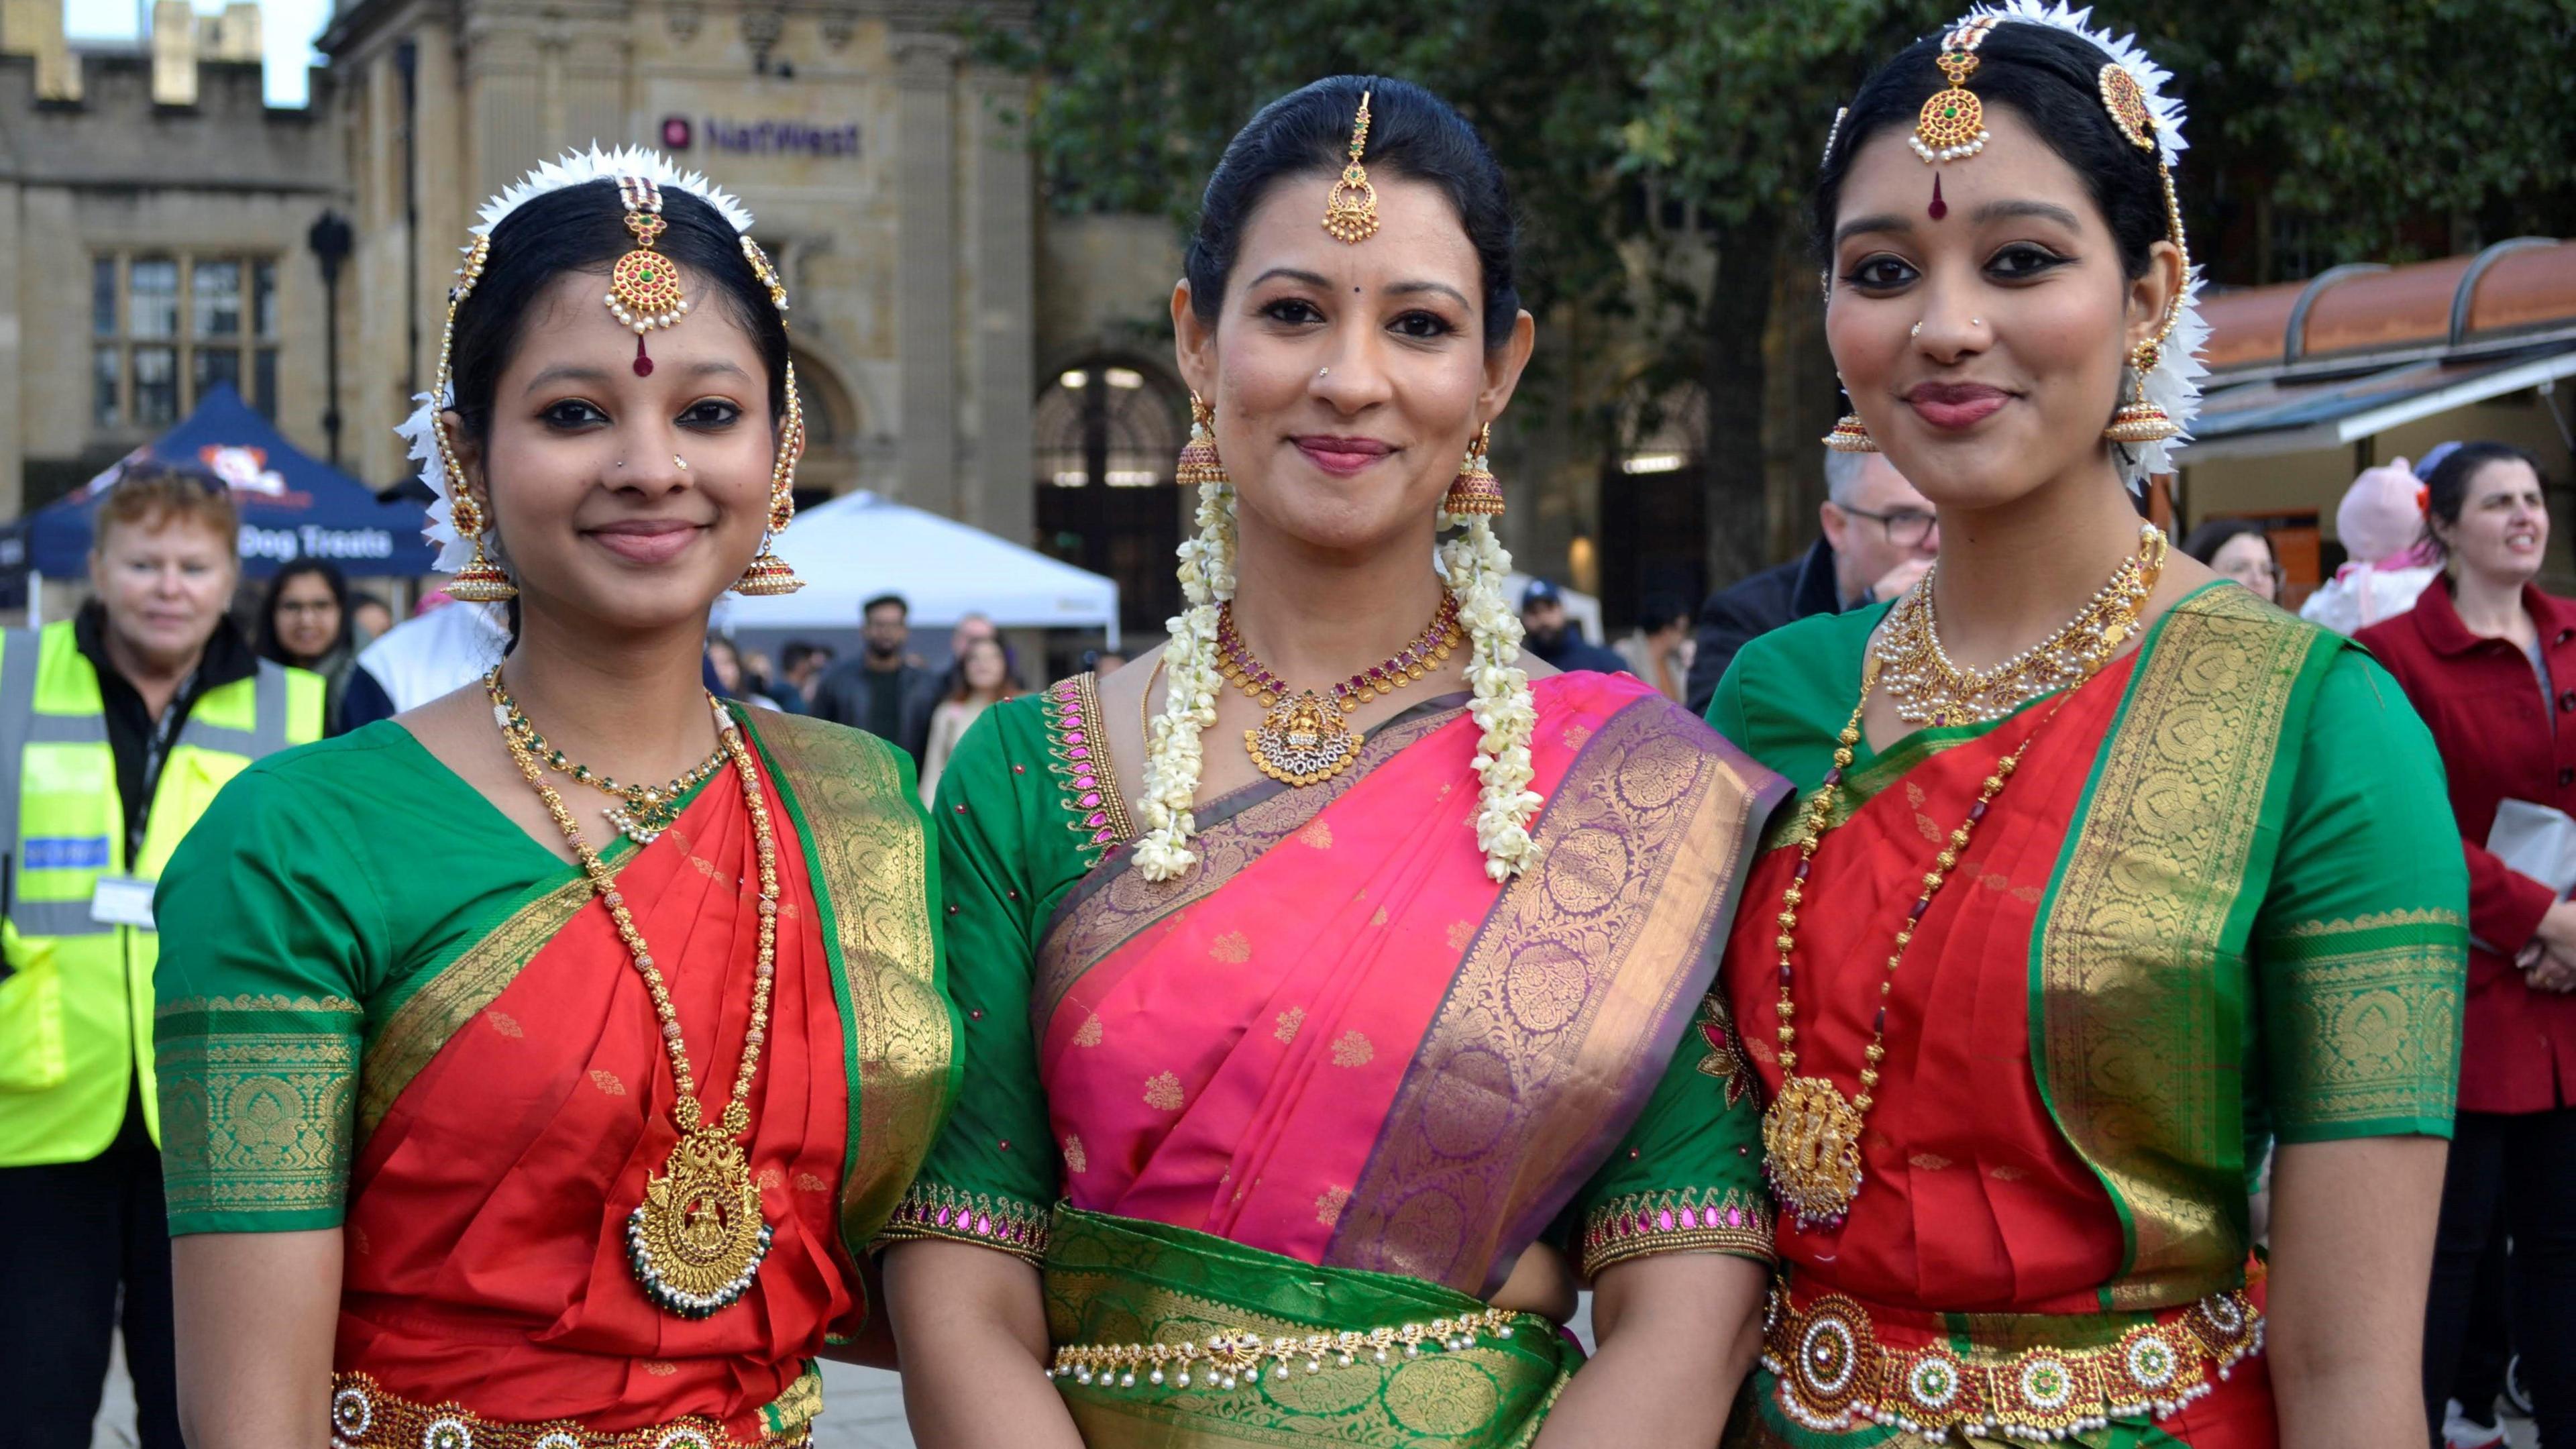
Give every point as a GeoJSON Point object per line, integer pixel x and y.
{"type": "Point", "coordinates": [1654, 514]}
{"type": "Point", "coordinates": [1107, 434]}
{"type": "Point", "coordinates": [831, 463]}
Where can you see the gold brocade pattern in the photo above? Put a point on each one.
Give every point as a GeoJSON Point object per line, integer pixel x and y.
{"type": "Point", "coordinates": [2370, 1006]}
{"type": "Point", "coordinates": [256, 1101]}
{"type": "Point", "coordinates": [452, 996]}
{"type": "Point", "coordinates": [867, 851]}
{"type": "Point", "coordinates": [1103, 914]}
{"type": "Point", "coordinates": [1578, 967]}
{"type": "Point", "coordinates": [2128, 964]}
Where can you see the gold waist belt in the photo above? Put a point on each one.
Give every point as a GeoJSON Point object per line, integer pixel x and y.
{"type": "Point", "coordinates": [1835, 1373]}
{"type": "Point", "coordinates": [1225, 1360]}
{"type": "Point", "coordinates": [364, 1415]}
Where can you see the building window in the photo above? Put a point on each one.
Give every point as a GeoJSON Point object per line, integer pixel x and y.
{"type": "Point", "coordinates": [167, 330]}
{"type": "Point", "coordinates": [1108, 437]}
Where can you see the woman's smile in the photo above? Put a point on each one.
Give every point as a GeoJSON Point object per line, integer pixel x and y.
{"type": "Point", "coordinates": [1343, 457]}
{"type": "Point", "coordinates": [646, 540]}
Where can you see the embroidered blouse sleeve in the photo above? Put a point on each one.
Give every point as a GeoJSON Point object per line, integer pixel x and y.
{"type": "Point", "coordinates": [1688, 1176]}
{"type": "Point", "coordinates": [2360, 950]}
{"type": "Point", "coordinates": [992, 1178]}
{"type": "Point", "coordinates": [268, 929]}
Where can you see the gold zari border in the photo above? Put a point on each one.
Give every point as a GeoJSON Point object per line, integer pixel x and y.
{"type": "Point", "coordinates": [1833, 1374]}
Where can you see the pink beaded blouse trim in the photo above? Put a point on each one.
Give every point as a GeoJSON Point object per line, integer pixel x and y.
{"type": "Point", "coordinates": [1078, 757]}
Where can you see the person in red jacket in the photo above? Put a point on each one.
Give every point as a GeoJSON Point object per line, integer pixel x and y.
{"type": "Point", "coordinates": [2490, 662]}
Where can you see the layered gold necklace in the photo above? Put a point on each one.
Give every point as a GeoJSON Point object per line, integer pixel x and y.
{"type": "Point", "coordinates": [1811, 1132]}
{"type": "Point", "coordinates": [643, 812]}
{"type": "Point", "coordinates": [1927, 688]}
{"type": "Point", "coordinates": [697, 1240]}
{"type": "Point", "coordinates": [1303, 738]}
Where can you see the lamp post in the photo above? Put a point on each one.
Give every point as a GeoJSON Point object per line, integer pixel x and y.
{"type": "Point", "coordinates": [330, 239]}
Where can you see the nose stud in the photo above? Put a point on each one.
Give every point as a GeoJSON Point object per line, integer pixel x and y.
{"type": "Point", "coordinates": [1322, 371]}
{"type": "Point", "coordinates": [683, 462]}
{"type": "Point", "coordinates": [1917, 332]}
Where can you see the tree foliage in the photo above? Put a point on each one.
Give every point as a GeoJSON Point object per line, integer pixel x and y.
{"type": "Point", "coordinates": [2382, 122]}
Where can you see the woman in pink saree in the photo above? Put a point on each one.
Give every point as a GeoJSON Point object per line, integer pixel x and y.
{"type": "Point", "coordinates": [1303, 1076]}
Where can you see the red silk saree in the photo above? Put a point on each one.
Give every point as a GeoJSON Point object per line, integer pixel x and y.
{"type": "Point", "coordinates": [398, 1015]}
{"type": "Point", "coordinates": [2205, 910]}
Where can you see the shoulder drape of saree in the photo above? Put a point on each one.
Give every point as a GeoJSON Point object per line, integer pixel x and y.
{"type": "Point", "coordinates": [2142, 1000]}
{"type": "Point", "coordinates": [861, 827]}
{"type": "Point", "coordinates": [1338, 1041]}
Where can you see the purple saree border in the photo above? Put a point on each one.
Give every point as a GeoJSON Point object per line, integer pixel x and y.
{"type": "Point", "coordinates": [1655, 802]}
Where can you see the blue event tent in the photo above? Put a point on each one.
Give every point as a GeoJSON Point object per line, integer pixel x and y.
{"type": "Point", "coordinates": [293, 506]}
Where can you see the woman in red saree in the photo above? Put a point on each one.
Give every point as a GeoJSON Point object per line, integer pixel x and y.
{"type": "Point", "coordinates": [2078, 912]}
{"type": "Point", "coordinates": [481, 1137]}
{"type": "Point", "coordinates": [1301, 1069]}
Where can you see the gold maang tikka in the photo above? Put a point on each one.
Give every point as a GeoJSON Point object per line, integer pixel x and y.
{"type": "Point", "coordinates": [1350, 210]}
{"type": "Point", "coordinates": [644, 288]}
{"type": "Point", "coordinates": [1952, 124]}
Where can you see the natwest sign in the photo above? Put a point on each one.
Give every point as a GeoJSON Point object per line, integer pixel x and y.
{"type": "Point", "coordinates": [762, 138]}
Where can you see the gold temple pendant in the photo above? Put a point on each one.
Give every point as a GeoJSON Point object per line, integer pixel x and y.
{"type": "Point", "coordinates": [1302, 741]}
{"type": "Point", "coordinates": [696, 1241]}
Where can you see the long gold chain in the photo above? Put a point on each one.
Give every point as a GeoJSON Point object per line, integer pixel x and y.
{"type": "Point", "coordinates": [1811, 1132]}
{"type": "Point", "coordinates": [697, 1240]}
{"type": "Point", "coordinates": [1928, 688]}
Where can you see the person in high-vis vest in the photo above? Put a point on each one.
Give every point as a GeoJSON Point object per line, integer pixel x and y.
{"type": "Point", "coordinates": [117, 727]}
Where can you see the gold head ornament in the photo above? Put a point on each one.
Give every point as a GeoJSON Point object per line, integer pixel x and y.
{"type": "Point", "coordinates": [1952, 125]}
{"type": "Point", "coordinates": [644, 287]}
{"type": "Point", "coordinates": [1350, 211]}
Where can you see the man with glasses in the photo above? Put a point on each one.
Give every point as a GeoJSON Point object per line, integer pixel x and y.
{"type": "Point", "coordinates": [1880, 535]}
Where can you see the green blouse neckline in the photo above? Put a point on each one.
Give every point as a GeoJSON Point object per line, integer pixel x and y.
{"type": "Point", "coordinates": [557, 870]}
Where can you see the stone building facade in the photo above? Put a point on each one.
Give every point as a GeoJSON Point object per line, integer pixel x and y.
{"type": "Point", "coordinates": [885, 166]}
{"type": "Point", "coordinates": [154, 217]}
{"type": "Point", "coordinates": [153, 213]}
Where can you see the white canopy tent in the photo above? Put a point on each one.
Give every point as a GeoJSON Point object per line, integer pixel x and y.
{"type": "Point", "coordinates": [860, 545]}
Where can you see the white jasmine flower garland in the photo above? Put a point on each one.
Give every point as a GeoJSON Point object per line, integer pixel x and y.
{"type": "Point", "coordinates": [1504, 708]}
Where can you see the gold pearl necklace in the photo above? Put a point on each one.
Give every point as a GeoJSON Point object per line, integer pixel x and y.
{"type": "Point", "coordinates": [697, 1240]}
{"type": "Point", "coordinates": [1928, 688]}
{"type": "Point", "coordinates": [1811, 1133]}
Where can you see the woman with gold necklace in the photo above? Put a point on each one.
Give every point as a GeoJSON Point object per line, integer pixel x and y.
{"type": "Point", "coordinates": [2105, 871]}
{"type": "Point", "coordinates": [507, 1105]}
{"type": "Point", "coordinates": [1346, 1021]}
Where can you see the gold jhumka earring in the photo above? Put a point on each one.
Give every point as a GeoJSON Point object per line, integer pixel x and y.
{"type": "Point", "coordinates": [1350, 210]}
{"type": "Point", "coordinates": [768, 574]}
{"type": "Point", "coordinates": [1474, 493]}
{"type": "Point", "coordinates": [2140, 420]}
{"type": "Point", "coordinates": [482, 581]}
{"type": "Point", "coordinates": [1199, 463]}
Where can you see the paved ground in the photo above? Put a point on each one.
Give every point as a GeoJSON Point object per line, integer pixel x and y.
{"type": "Point", "coordinates": [865, 1411]}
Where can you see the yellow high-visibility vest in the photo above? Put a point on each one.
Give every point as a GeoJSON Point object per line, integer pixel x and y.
{"type": "Point", "coordinates": [76, 993]}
